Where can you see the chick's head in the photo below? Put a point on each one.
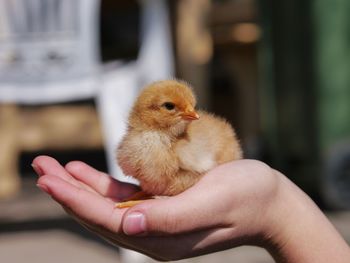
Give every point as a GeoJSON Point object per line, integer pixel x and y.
{"type": "Point", "coordinates": [165, 105]}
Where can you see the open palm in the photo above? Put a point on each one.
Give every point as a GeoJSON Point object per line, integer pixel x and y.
{"type": "Point", "coordinates": [224, 209]}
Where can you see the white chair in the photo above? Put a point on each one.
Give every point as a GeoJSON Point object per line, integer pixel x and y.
{"type": "Point", "coordinates": [49, 50]}
{"type": "Point", "coordinates": [49, 53]}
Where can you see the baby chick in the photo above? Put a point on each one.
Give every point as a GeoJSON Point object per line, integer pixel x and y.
{"type": "Point", "coordinates": [168, 145]}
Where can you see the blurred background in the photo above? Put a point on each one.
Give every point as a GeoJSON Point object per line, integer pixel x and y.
{"type": "Point", "coordinates": [277, 70]}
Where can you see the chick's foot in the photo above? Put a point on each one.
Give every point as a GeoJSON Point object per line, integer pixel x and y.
{"type": "Point", "coordinates": [128, 204]}
{"type": "Point", "coordinates": [134, 199]}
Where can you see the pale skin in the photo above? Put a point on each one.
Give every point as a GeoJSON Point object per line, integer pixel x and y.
{"type": "Point", "coordinates": [244, 202]}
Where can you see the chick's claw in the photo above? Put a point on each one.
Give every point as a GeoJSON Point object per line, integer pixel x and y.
{"type": "Point", "coordinates": [128, 204]}
{"type": "Point", "coordinates": [133, 200]}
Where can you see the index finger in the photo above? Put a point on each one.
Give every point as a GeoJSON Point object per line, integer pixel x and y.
{"type": "Point", "coordinates": [100, 181]}
{"type": "Point", "coordinates": [90, 208]}
{"type": "Point", "coordinates": [46, 165]}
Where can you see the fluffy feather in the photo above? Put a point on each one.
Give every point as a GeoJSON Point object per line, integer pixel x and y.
{"type": "Point", "coordinates": [168, 145]}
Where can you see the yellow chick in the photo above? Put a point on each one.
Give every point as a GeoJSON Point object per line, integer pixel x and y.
{"type": "Point", "coordinates": [169, 146]}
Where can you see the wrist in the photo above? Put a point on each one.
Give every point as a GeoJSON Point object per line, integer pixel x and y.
{"type": "Point", "coordinates": [299, 231]}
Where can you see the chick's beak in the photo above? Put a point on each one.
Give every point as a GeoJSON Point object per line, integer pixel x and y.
{"type": "Point", "coordinates": [190, 115]}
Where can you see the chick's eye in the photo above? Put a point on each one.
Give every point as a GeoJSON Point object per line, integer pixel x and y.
{"type": "Point", "coordinates": [169, 105]}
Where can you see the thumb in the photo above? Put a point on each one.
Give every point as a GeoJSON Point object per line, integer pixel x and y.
{"type": "Point", "coordinates": [184, 213]}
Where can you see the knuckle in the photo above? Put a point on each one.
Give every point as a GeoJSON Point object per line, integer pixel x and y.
{"type": "Point", "coordinates": [73, 165]}
{"type": "Point", "coordinates": [170, 223]}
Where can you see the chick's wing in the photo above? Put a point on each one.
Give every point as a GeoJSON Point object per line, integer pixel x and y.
{"type": "Point", "coordinates": [209, 141]}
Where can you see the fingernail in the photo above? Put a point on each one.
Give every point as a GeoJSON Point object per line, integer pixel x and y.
{"type": "Point", "coordinates": [43, 188]}
{"type": "Point", "coordinates": [134, 224]}
{"type": "Point", "coordinates": [37, 169]}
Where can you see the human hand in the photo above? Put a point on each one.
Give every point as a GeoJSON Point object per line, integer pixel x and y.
{"type": "Point", "coordinates": [239, 203]}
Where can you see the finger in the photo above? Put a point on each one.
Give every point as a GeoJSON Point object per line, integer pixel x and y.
{"type": "Point", "coordinates": [49, 166]}
{"type": "Point", "coordinates": [99, 181]}
{"type": "Point", "coordinates": [200, 207]}
{"type": "Point", "coordinates": [187, 212]}
{"type": "Point", "coordinates": [89, 207]}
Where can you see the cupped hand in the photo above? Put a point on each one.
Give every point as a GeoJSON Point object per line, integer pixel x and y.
{"type": "Point", "coordinates": [228, 207]}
